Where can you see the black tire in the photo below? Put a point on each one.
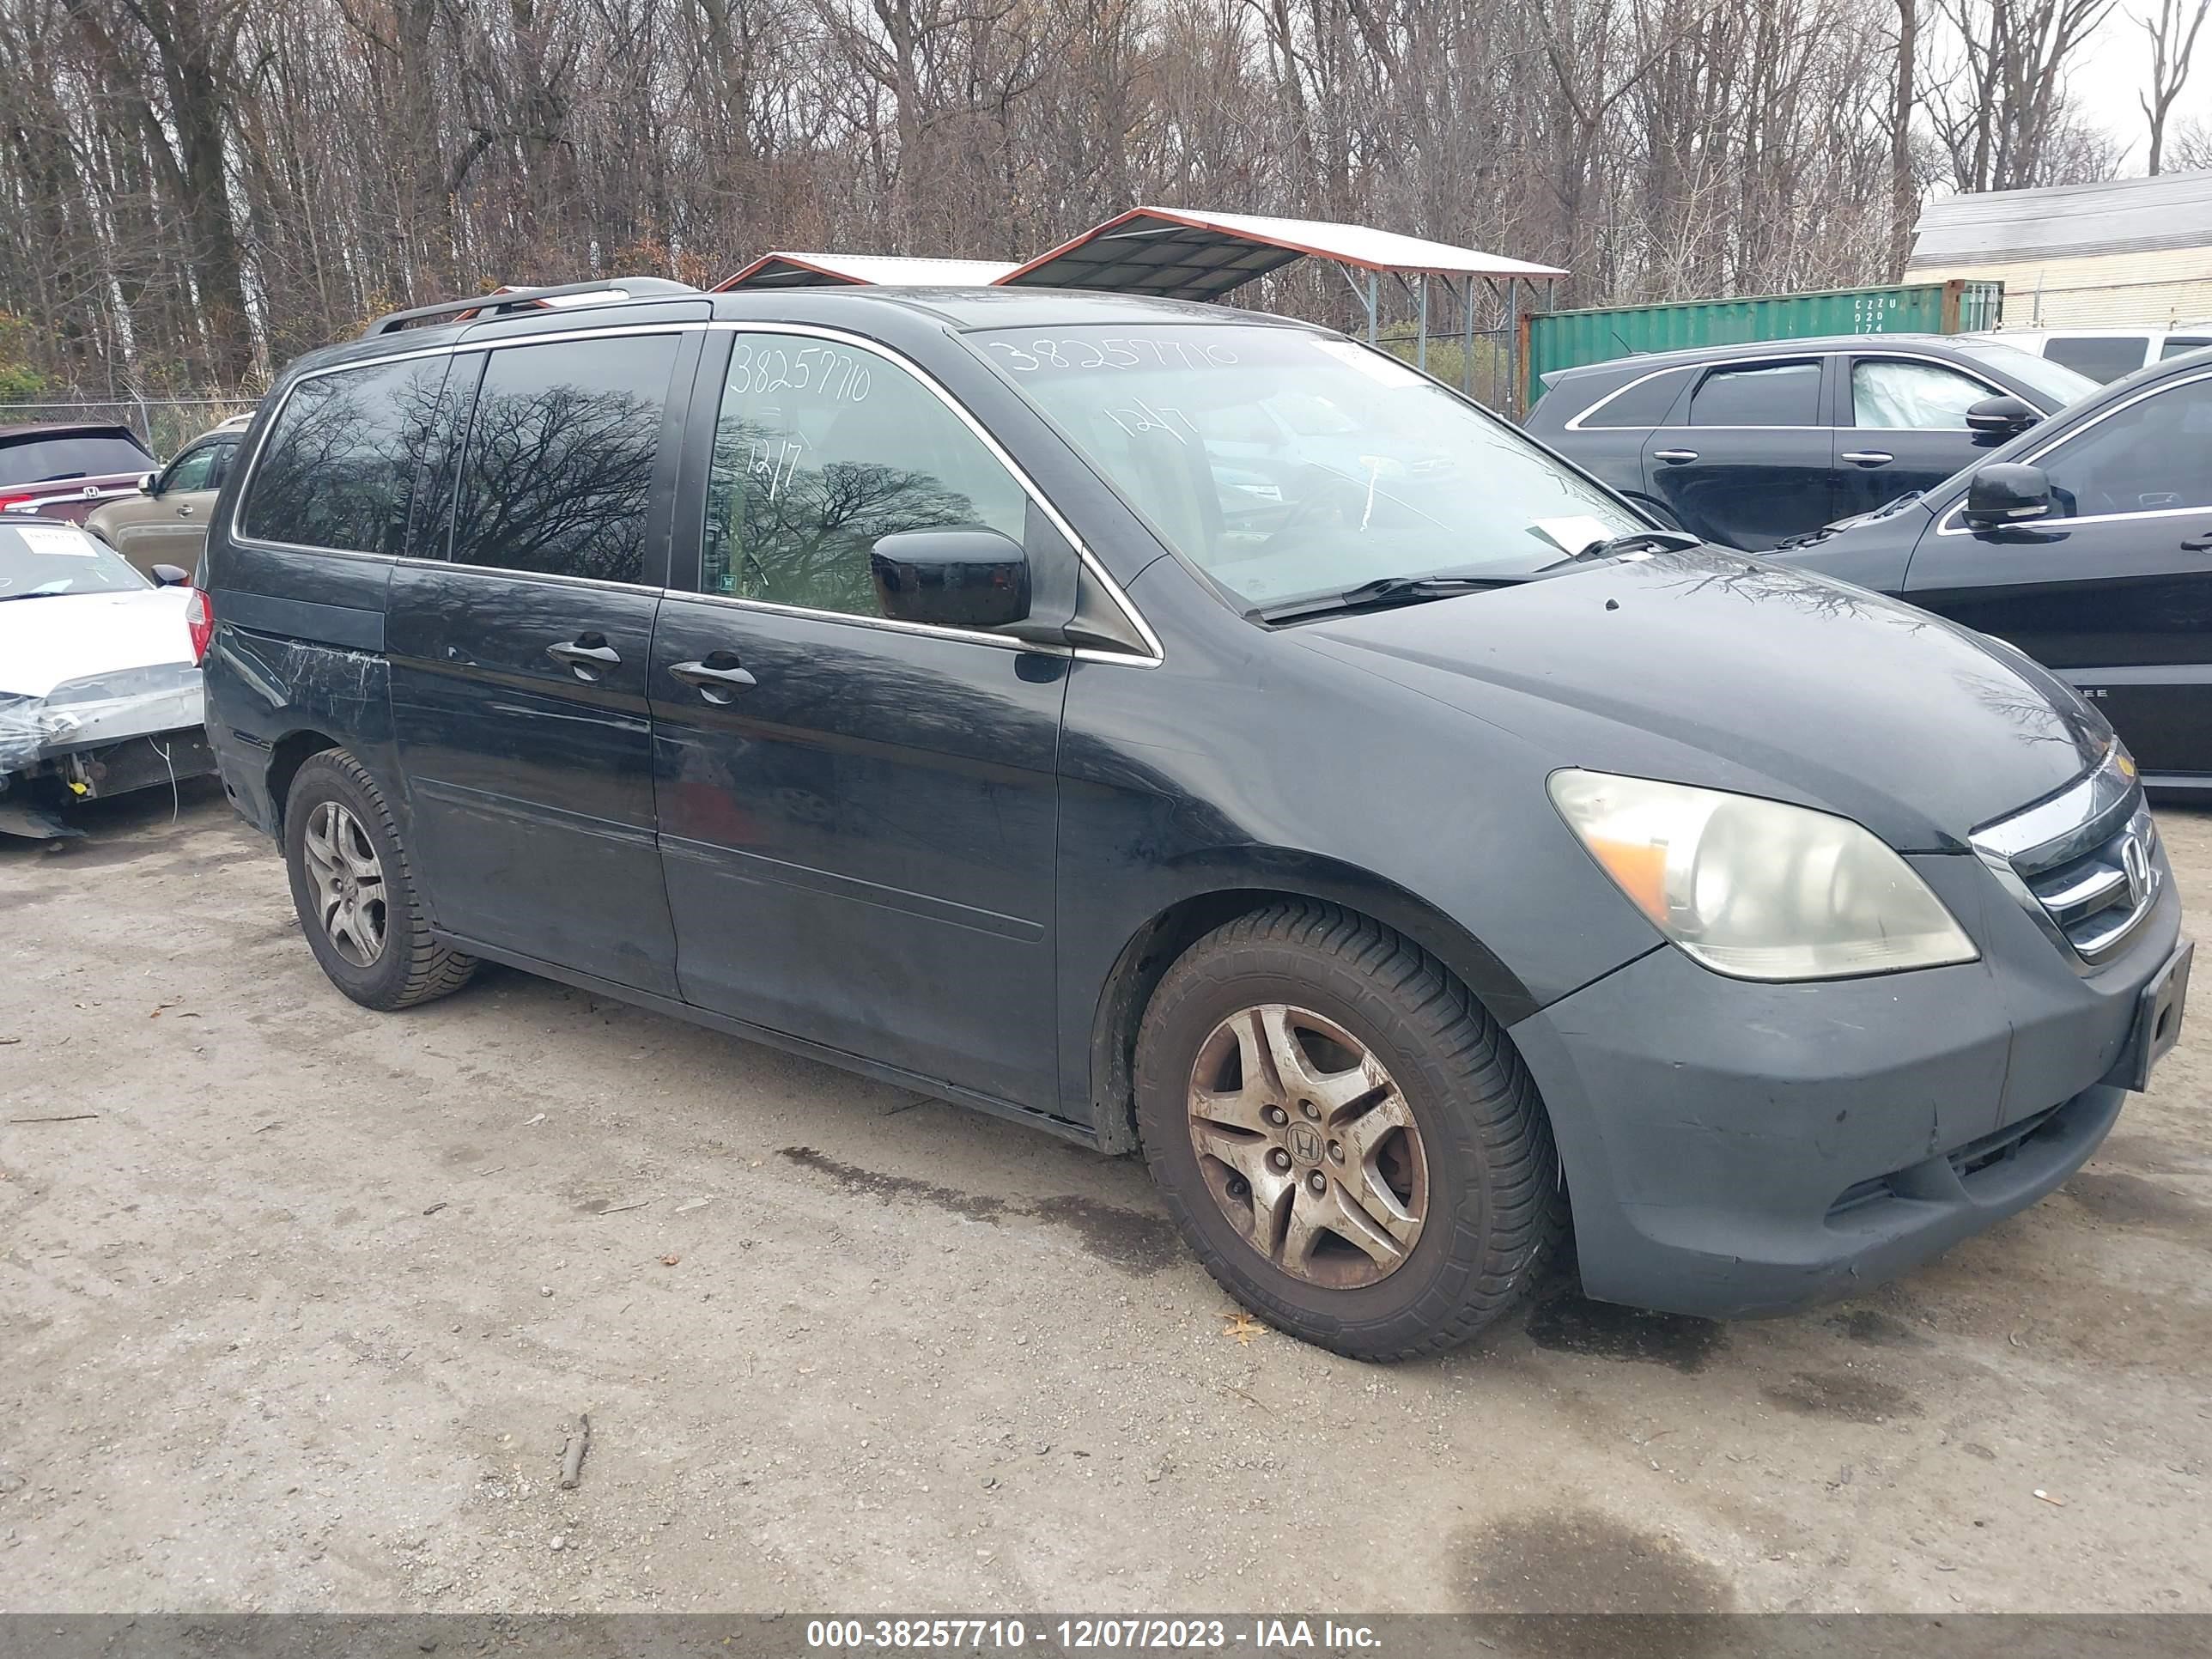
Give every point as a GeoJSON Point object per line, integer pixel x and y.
{"type": "Point", "coordinates": [1495, 1210]}
{"type": "Point", "coordinates": [410, 966]}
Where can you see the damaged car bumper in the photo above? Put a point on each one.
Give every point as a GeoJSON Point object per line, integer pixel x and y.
{"type": "Point", "coordinates": [102, 735]}
{"type": "Point", "coordinates": [1734, 1149]}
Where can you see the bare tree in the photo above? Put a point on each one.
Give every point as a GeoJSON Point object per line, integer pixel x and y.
{"type": "Point", "coordinates": [2172, 37]}
{"type": "Point", "coordinates": [2002, 116]}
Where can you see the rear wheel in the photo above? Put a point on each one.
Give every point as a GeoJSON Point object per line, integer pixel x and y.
{"type": "Point", "coordinates": [1347, 1141]}
{"type": "Point", "coordinates": [355, 892]}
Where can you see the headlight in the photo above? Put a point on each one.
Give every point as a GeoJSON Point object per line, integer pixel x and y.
{"type": "Point", "coordinates": [1757, 889]}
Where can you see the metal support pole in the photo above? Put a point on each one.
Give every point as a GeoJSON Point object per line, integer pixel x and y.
{"type": "Point", "coordinates": [1374, 298]}
{"type": "Point", "coordinates": [1513, 398]}
{"type": "Point", "coordinates": [1467, 337]}
{"type": "Point", "coordinates": [1421, 340]}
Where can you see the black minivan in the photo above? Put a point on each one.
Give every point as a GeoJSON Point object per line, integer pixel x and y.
{"type": "Point", "coordinates": [1382, 826]}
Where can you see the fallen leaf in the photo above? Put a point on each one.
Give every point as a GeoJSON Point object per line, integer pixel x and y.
{"type": "Point", "coordinates": [1242, 1327]}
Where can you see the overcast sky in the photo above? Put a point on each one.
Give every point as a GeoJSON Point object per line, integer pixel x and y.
{"type": "Point", "coordinates": [2115, 69]}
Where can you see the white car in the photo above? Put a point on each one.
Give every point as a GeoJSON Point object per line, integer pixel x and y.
{"type": "Point", "coordinates": [2103, 354]}
{"type": "Point", "coordinates": [99, 689]}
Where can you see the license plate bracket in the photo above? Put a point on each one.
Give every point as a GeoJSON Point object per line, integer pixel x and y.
{"type": "Point", "coordinates": [2159, 1008]}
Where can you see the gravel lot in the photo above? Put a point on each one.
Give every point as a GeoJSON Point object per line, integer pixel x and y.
{"type": "Point", "coordinates": [300, 1317]}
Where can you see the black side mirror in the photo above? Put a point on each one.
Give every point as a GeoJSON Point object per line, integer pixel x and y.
{"type": "Point", "coordinates": [146, 484]}
{"type": "Point", "coordinates": [2007, 492]}
{"type": "Point", "coordinates": [963, 577]}
{"type": "Point", "coordinates": [2005, 417]}
{"type": "Point", "coordinates": [170, 575]}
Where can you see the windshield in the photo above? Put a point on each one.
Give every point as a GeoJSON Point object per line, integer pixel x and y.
{"type": "Point", "coordinates": [2053, 380]}
{"type": "Point", "coordinates": [37, 559]}
{"type": "Point", "coordinates": [1285, 463]}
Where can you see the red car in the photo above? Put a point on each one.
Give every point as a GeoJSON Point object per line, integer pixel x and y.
{"type": "Point", "coordinates": [64, 470]}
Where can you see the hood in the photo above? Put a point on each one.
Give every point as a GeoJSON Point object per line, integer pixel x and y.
{"type": "Point", "coordinates": [1713, 668]}
{"type": "Point", "coordinates": [46, 643]}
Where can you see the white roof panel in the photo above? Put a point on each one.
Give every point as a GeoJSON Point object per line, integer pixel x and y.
{"type": "Point", "coordinates": [790, 269]}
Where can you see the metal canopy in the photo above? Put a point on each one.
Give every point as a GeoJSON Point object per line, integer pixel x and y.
{"type": "Point", "coordinates": [889, 270]}
{"type": "Point", "coordinates": [1185, 255]}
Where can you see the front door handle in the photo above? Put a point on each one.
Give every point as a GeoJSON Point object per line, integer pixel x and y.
{"type": "Point", "coordinates": [2196, 543]}
{"type": "Point", "coordinates": [717, 676]}
{"type": "Point", "coordinates": [1675, 457]}
{"type": "Point", "coordinates": [1868, 457]}
{"type": "Point", "coordinates": [185, 510]}
{"type": "Point", "coordinates": [588, 656]}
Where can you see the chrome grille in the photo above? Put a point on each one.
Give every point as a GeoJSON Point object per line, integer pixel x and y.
{"type": "Point", "coordinates": [2084, 861]}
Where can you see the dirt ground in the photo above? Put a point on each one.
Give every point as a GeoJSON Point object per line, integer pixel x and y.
{"type": "Point", "coordinates": [300, 1317]}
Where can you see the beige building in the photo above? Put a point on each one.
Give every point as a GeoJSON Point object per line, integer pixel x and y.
{"type": "Point", "coordinates": [2133, 251]}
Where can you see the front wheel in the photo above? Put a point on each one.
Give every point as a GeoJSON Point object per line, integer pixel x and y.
{"type": "Point", "coordinates": [355, 892]}
{"type": "Point", "coordinates": [1347, 1140]}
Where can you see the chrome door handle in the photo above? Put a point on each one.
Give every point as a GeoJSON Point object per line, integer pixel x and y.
{"type": "Point", "coordinates": [1868, 457]}
{"type": "Point", "coordinates": [1675, 457]}
{"type": "Point", "coordinates": [717, 677]}
{"type": "Point", "coordinates": [184, 511]}
{"type": "Point", "coordinates": [588, 656]}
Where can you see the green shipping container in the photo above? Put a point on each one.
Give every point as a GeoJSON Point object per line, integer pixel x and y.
{"type": "Point", "coordinates": [1562, 339]}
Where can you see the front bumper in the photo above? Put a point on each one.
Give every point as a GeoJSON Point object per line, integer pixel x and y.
{"type": "Point", "coordinates": [1734, 1149]}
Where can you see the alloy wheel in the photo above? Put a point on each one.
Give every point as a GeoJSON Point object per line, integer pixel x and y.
{"type": "Point", "coordinates": [1308, 1145]}
{"type": "Point", "coordinates": [348, 879]}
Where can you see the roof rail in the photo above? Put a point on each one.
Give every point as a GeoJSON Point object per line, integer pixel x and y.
{"type": "Point", "coordinates": [514, 299]}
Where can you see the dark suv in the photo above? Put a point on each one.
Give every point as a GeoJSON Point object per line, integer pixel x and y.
{"type": "Point", "coordinates": [1747, 445]}
{"type": "Point", "coordinates": [1397, 840]}
{"type": "Point", "coordinates": [2087, 544]}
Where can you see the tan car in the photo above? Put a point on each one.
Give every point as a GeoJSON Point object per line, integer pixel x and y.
{"type": "Point", "coordinates": [164, 522]}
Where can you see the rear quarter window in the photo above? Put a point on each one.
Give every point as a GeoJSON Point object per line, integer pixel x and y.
{"type": "Point", "coordinates": [339, 467]}
{"type": "Point", "coordinates": [1645, 401]}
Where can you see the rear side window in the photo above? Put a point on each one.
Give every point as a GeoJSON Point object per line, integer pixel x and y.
{"type": "Point", "coordinates": [339, 467]}
{"type": "Point", "coordinates": [1758, 394]}
{"type": "Point", "coordinates": [2176, 345]}
{"type": "Point", "coordinates": [557, 476]}
{"type": "Point", "coordinates": [2099, 356]}
{"type": "Point", "coordinates": [1641, 403]}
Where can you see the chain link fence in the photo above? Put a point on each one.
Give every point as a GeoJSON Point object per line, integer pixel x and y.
{"type": "Point", "coordinates": [165, 425]}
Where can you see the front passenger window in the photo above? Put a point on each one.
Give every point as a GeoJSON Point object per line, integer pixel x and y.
{"type": "Point", "coordinates": [194, 470]}
{"type": "Point", "coordinates": [2149, 457]}
{"type": "Point", "coordinates": [820, 449]}
{"type": "Point", "coordinates": [1918, 397]}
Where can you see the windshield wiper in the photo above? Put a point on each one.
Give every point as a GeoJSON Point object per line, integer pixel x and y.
{"type": "Point", "coordinates": [1640, 541]}
{"type": "Point", "coordinates": [1383, 590]}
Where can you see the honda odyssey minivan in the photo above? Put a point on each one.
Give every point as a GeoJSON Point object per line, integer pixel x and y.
{"type": "Point", "coordinates": [1406, 845]}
